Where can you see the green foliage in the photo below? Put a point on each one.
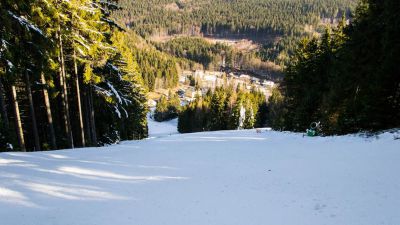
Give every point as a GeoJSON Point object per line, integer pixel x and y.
{"type": "Point", "coordinates": [211, 56]}
{"type": "Point", "coordinates": [48, 37]}
{"type": "Point", "coordinates": [197, 50]}
{"type": "Point", "coordinates": [223, 110]}
{"type": "Point", "coordinates": [158, 69]}
{"type": "Point", "coordinates": [278, 24]}
{"type": "Point", "coordinates": [276, 110]}
{"type": "Point", "coordinates": [4, 135]}
{"type": "Point", "coordinates": [167, 108]}
{"type": "Point", "coordinates": [192, 81]}
{"type": "Point", "coordinates": [232, 17]}
{"type": "Point", "coordinates": [349, 79]}
{"type": "Point", "coordinates": [124, 118]}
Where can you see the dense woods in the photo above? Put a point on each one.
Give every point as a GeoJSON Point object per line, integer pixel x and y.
{"type": "Point", "coordinates": [158, 70]}
{"type": "Point", "coordinates": [67, 75]}
{"type": "Point", "coordinates": [349, 79]}
{"type": "Point", "coordinates": [197, 50]}
{"type": "Point", "coordinates": [215, 56]}
{"type": "Point", "coordinates": [277, 24]}
{"type": "Point", "coordinates": [221, 17]}
{"type": "Point", "coordinates": [70, 76]}
{"type": "Point", "coordinates": [167, 108]}
{"type": "Point", "coordinates": [224, 109]}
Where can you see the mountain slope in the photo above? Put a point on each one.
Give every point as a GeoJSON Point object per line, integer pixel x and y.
{"type": "Point", "coordinates": [256, 17]}
{"type": "Point", "coordinates": [278, 25]}
{"type": "Point", "coordinates": [231, 177]}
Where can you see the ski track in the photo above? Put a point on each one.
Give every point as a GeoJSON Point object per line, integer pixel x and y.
{"type": "Point", "coordinates": [213, 178]}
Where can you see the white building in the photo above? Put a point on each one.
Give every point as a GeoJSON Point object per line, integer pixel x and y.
{"type": "Point", "coordinates": [268, 83]}
{"type": "Point", "coordinates": [151, 103]}
{"type": "Point", "coordinates": [182, 79]}
{"type": "Point", "coordinates": [199, 74]}
{"type": "Point", "coordinates": [210, 78]}
{"type": "Point", "coordinates": [245, 77]}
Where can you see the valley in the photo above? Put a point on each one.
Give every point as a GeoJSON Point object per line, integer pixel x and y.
{"type": "Point", "coordinates": [199, 112]}
{"type": "Point", "coordinates": [254, 38]}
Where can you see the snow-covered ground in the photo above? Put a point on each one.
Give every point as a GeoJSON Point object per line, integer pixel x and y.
{"type": "Point", "coordinates": [157, 129]}
{"type": "Point", "coordinates": [213, 178]}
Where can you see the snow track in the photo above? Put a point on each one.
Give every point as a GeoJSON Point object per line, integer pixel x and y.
{"type": "Point", "coordinates": [212, 178]}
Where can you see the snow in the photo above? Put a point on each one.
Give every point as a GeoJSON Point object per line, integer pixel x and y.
{"type": "Point", "coordinates": [117, 111]}
{"type": "Point", "coordinates": [24, 22]}
{"type": "Point", "coordinates": [81, 40]}
{"type": "Point", "coordinates": [116, 69]}
{"type": "Point", "coordinates": [157, 129]}
{"type": "Point", "coordinates": [213, 178]}
{"type": "Point", "coordinates": [116, 94]}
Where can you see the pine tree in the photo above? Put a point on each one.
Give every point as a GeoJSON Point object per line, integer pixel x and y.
{"type": "Point", "coordinates": [42, 42]}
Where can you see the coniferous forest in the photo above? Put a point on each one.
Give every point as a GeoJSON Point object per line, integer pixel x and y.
{"type": "Point", "coordinates": [76, 73]}
{"type": "Point", "coordinates": [158, 70]}
{"type": "Point", "coordinates": [147, 112]}
{"type": "Point", "coordinates": [349, 79]}
{"type": "Point", "coordinates": [224, 109]}
{"type": "Point", "coordinates": [68, 77]}
{"type": "Point", "coordinates": [276, 24]}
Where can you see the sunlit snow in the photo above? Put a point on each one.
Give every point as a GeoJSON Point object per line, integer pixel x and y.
{"type": "Point", "coordinates": [213, 178]}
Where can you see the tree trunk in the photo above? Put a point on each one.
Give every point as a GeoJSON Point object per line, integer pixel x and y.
{"type": "Point", "coordinates": [48, 112]}
{"type": "Point", "coordinates": [91, 117]}
{"type": "Point", "coordinates": [64, 93]}
{"type": "Point", "coordinates": [64, 112]}
{"type": "Point", "coordinates": [87, 114]}
{"type": "Point", "coordinates": [18, 124]}
{"type": "Point", "coordinates": [3, 109]}
{"type": "Point", "coordinates": [78, 98]}
{"type": "Point", "coordinates": [32, 110]}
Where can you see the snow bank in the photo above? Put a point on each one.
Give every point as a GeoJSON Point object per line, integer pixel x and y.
{"type": "Point", "coordinates": [213, 178]}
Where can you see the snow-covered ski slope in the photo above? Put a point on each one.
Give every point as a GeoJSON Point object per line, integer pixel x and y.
{"type": "Point", "coordinates": [213, 178]}
{"type": "Point", "coordinates": [157, 129]}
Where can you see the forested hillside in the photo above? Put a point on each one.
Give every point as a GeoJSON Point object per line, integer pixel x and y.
{"type": "Point", "coordinates": [158, 70]}
{"type": "Point", "coordinates": [349, 79]}
{"type": "Point", "coordinates": [266, 21]}
{"type": "Point", "coordinates": [68, 76]}
{"type": "Point", "coordinates": [71, 77]}
{"type": "Point", "coordinates": [224, 109]}
{"type": "Point", "coordinates": [258, 17]}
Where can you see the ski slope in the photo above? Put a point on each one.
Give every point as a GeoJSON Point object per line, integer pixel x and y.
{"type": "Point", "coordinates": [158, 129]}
{"type": "Point", "coordinates": [212, 178]}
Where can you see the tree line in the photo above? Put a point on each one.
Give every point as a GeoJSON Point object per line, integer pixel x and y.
{"type": "Point", "coordinates": [224, 109]}
{"type": "Point", "coordinates": [212, 56]}
{"type": "Point", "coordinates": [277, 24]}
{"type": "Point", "coordinates": [68, 77]}
{"type": "Point", "coordinates": [197, 50]}
{"type": "Point", "coordinates": [349, 79]}
{"type": "Point", "coordinates": [167, 108]}
{"type": "Point", "coordinates": [234, 17]}
{"type": "Point", "coordinates": [158, 69]}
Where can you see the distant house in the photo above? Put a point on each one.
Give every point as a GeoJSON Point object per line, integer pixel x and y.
{"type": "Point", "coordinates": [182, 79]}
{"type": "Point", "coordinates": [245, 77]}
{"type": "Point", "coordinates": [187, 73]}
{"type": "Point", "coordinates": [199, 74]}
{"type": "Point", "coordinates": [267, 83]}
{"type": "Point", "coordinates": [191, 93]}
{"type": "Point", "coordinates": [255, 80]}
{"type": "Point", "coordinates": [151, 103]}
{"type": "Point", "coordinates": [210, 77]}
{"type": "Point", "coordinates": [216, 73]}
